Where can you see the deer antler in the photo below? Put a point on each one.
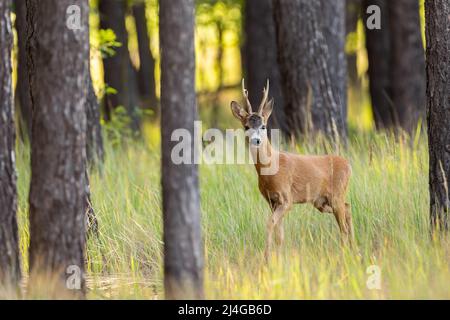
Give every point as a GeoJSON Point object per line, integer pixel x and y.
{"type": "Point", "coordinates": [265, 97]}
{"type": "Point", "coordinates": [245, 94]}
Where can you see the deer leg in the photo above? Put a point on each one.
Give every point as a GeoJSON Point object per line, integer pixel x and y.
{"type": "Point", "coordinates": [348, 220]}
{"type": "Point", "coordinates": [279, 233]}
{"type": "Point", "coordinates": [322, 205]}
{"type": "Point", "coordinates": [274, 220]}
{"type": "Point", "coordinates": [339, 212]}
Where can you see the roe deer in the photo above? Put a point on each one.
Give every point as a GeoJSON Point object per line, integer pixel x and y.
{"type": "Point", "coordinates": [319, 180]}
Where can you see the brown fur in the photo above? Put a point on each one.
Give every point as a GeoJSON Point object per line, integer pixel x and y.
{"type": "Point", "coordinates": [319, 180]}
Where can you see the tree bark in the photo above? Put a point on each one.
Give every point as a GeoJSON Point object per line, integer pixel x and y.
{"type": "Point", "coordinates": [22, 95]}
{"type": "Point", "coordinates": [183, 252]}
{"type": "Point", "coordinates": [408, 64]}
{"type": "Point", "coordinates": [146, 72]}
{"type": "Point", "coordinates": [58, 65]}
{"type": "Point", "coordinates": [437, 13]}
{"type": "Point", "coordinates": [334, 24]}
{"type": "Point", "coordinates": [353, 10]}
{"type": "Point", "coordinates": [310, 97]}
{"type": "Point", "coordinates": [220, 28]}
{"type": "Point", "coordinates": [261, 58]}
{"type": "Point", "coordinates": [117, 69]}
{"type": "Point", "coordinates": [397, 89]}
{"type": "Point", "coordinates": [378, 43]}
{"type": "Point", "coordinates": [9, 243]}
{"type": "Point", "coordinates": [91, 219]}
{"type": "Point", "coordinates": [94, 151]}
{"type": "Point", "coordinates": [94, 144]}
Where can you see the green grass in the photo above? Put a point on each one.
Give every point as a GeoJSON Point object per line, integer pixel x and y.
{"type": "Point", "coordinates": [389, 198]}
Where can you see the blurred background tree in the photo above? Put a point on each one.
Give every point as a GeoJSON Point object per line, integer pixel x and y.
{"type": "Point", "coordinates": [235, 39]}
{"type": "Point", "coordinates": [260, 58]}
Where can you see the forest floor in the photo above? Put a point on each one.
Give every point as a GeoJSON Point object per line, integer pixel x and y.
{"type": "Point", "coordinates": [389, 198]}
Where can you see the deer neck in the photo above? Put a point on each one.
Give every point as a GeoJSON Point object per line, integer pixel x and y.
{"type": "Point", "coordinates": [262, 156]}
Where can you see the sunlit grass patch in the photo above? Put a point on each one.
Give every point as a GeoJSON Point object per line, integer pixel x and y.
{"type": "Point", "coordinates": [389, 198]}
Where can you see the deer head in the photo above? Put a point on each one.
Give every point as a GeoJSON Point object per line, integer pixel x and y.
{"type": "Point", "coordinates": [255, 123]}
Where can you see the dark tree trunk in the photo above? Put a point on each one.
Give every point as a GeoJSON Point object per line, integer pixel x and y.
{"type": "Point", "coordinates": [261, 58]}
{"type": "Point", "coordinates": [58, 65]}
{"type": "Point", "coordinates": [334, 23]}
{"type": "Point", "coordinates": [310, 97]}
{"type": "Point", "coordinates": [91, 218]}
{"type": "Point", "coordinates": [220, 28]}
{"type": "Point", "coordinates": [118, 71]}
{"type": "Point", "coordinates": [396, 65]}
{"type": "Point", "coordinates": [146, 72]}
{"type": "Point", "coordinates": [134, 98]}
{"type": "Point", "coordinates": [408, 64]}
{"type": "Point", "coordinates": [353, 10]}
{"type": "Point", "coordinates": [9, 243]}
{"type": "Point", "coordinates": [94, 151]}
{"type": "Point", "coordinates": [352, 15]}
{"type": "Point", "coordinates": [22, 96]}
{"type": "Point", "coordinates": [183, 252]}
{"type": "Point", "coordinates": [94, 140]}
{"type": "Point", "coordinates": [437, 13]}
{"type": "Point", "coordinates": [378, 43]}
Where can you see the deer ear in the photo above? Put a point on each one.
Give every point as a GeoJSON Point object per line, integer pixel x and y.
{"type": "Point", "coordinates": [267, 109]}
{"type": "Point", "coordinates": [238, 111]}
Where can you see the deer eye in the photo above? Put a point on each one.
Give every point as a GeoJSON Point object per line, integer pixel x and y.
{"type": "Point", "coordinates": [263, 127]}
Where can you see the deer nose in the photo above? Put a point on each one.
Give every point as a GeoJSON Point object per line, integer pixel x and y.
{"type": "Point", "coordinates": [256, 141]}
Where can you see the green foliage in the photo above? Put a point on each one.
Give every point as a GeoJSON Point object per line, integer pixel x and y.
{"type": "Point", "coordinates": [108, 43]}
{"type": "Point", "coordinates": [118, 129]}
{"type": "Point", "coordinates": [110, 90]}
{"type": "Point", "coordinates": [225, 13]}
{"type": "Point", "coordinates": [218, 29]}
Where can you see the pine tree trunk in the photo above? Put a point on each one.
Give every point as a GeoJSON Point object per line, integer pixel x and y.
{"type": "Point", "coordinates": [397, 89]}
{"type": "Point", "coordinates": [215, 103]}
{"type": "Point", "coordinates": [378, 43]}
{"type": "Point", "coordinates": [94, 140]}
{"type": "Point", "coordinates": [183, 252]}
{"type": "Point", "coordinates": [334, 19]}
{"type": "Point", "coordinates": [91, 219]}
{"type": "Point", "coordinates": [261, 58]}
{"type": "Point", "coordinates": [353, 10]}
{"type": "Point", "coordinates": [407, 64]}
{"type": "Point", "coordinates": [22, 95]}
{"type": "Point", "coordinates": [58, 65]}
{"type": "Point", "coordinates": [437, 13]}
{"type": "Point", "coordinates": [146, 72]}
{"type": "Point", "coordinates": [94, 152]}
{"type": "Point", "coordinates": [310, 97]}
{"type": "Point", "coordinates": [117, 69]}
{"type": "Point", "coordinates": [9, 242]}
